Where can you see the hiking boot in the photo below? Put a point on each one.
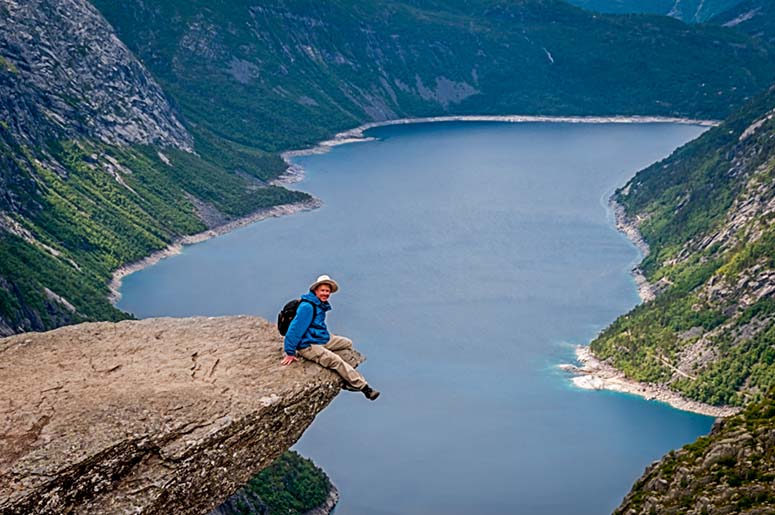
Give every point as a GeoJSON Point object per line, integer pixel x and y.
{"type": "Point", "coordinates": [369, 393]}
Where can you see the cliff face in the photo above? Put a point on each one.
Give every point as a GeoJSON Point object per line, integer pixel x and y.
{"type": "Point", "coordinates": [730, 471]}
{"type": "Point", "coordinates": [67, 73]}
{"type": "Point", "coordinates": [156, 416]}
{"type": "Point", "coordinates": [707, 214]}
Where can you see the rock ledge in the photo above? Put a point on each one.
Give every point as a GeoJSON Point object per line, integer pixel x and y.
{"type": "Point", "coordinates": [153, 416]}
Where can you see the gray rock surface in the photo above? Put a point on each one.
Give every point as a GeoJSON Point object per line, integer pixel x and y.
{"type": "Point", "coordinates": [153, 416]}
{"type": "Point", "coordinates": [730, 471]}
{"type": "Point", "coordinates": [63, 71]}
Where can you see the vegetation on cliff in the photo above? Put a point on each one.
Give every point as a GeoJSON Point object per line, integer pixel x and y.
{"type": "Point", "coordinates": [95, 168]}
{"type": "Point", "coordinates": [292, 485]}
{"type": "Point", "coordinates": [90, 208]}
{"type": "Point", "coordinates": [707, 213]}
{"type": "Point", "coordinates": [730, 471]}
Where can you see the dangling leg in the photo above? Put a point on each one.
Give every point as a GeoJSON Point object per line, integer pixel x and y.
{"type": "Point", "coordinates": [325, 358]}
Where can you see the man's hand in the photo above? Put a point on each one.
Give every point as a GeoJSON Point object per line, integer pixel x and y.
{"type": "Point", "coordinates": [287, 360]}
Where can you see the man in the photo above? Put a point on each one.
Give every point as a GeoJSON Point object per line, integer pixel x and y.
{"type": "Point", "coordinates": [309, 338]}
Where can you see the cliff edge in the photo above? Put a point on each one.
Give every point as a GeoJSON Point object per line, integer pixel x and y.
{"type": "Point", "coordinates": [154, 416]}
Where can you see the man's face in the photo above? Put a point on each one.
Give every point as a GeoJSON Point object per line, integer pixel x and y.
{"type": "Point", "coordinates": [323, 292]}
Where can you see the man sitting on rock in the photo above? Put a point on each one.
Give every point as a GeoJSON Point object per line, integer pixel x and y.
{"type": "Point", "coordinates": [308, 337]}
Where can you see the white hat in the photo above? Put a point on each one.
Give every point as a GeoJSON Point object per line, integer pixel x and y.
{"type": "Point", "coordinates": [324, 279]}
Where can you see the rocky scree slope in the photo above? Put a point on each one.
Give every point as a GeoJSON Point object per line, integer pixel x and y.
{"type": "Point", "coordinates": [707, 213]}
{"type": "Point", "coordinates": [96, 168]}
{"type": "Point", "coordinates": [730, 471]}
{"type": "Point", "coordinates": [152, 416]}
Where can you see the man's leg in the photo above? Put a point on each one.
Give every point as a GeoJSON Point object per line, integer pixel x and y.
{"type": "Point", "coordinates": [325, 358]}
{"type": "Point", "coordinates": [339, 343]}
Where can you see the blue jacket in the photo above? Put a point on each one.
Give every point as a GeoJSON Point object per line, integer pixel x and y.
{"type": "Point", "coordinates": [304, 331]}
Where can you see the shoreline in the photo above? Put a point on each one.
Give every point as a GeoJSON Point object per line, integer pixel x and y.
{"type": "Point", "coordinates": [594, 374]}
{"type": "Point", "coordinates": [295, 172]}
{"type": "Point", "coordinates": [646, 290]}
{"type": "Point", "coordinates": [328, 505]}
{"type": "Point", "coordinates": [176, 247]}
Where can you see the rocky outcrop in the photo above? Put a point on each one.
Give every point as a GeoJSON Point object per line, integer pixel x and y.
{"type": "Point", "coordinates": [730, 471]}
{"type": "Point", "coordinates": [154, 416]}
{"type": "Point", "coordinates": [292, 484]}
{"type": "Point", "coordinates": [246, 502]}
{"type": "Point", "coordinates": [64, 71]}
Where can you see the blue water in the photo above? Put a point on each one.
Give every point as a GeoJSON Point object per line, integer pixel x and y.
{"type": "Point", "coordinates": [471, 257]}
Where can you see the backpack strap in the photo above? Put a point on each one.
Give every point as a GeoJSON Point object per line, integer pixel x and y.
{"type": "Point", "coordinates": [314, 313]}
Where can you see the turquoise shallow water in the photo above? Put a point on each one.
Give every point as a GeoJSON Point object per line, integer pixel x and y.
{"type": "Point", "coordinates": [472, 257]}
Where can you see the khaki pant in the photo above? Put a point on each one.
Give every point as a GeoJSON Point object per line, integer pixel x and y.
{"type": "Point", "coordinates": [323, 356]}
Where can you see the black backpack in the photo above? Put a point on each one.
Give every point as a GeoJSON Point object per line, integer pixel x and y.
{"type": "Point", "coordinates": [288, 313]}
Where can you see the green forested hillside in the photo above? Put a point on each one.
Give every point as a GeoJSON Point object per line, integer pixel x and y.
{"type": "Point", "coordinates": [292, 485]}
{"type": "Point", "coordinates": [283, 74]}
{"type": "Point", "coordinates": [101, 207]}
{"type": "Point", "coordinates": [95, 168]}
{"type": "Point", "coordinates": [707, 214]}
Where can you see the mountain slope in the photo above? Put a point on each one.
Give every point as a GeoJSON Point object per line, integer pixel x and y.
{"type": "Point", "coordinates": [730, 471]}
{"type": "Point", "coordinates": [707, 213]}
{"type": "Point", "coordinates": [754, 17]}
{"type": "Point", "coordinates": [283, 74]}
{"type": "Point", "coordinates": [96, 169]}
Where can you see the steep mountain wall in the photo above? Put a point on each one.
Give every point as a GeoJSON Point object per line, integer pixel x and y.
{"type": "Point", "coordinates": [730, 471]}
{"type": "Point", "coordinates": [707, 213]}
{"type": "Point", "coordinates": [157, 416]}
{"type": "Point", "coordinates": [68, 74]}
